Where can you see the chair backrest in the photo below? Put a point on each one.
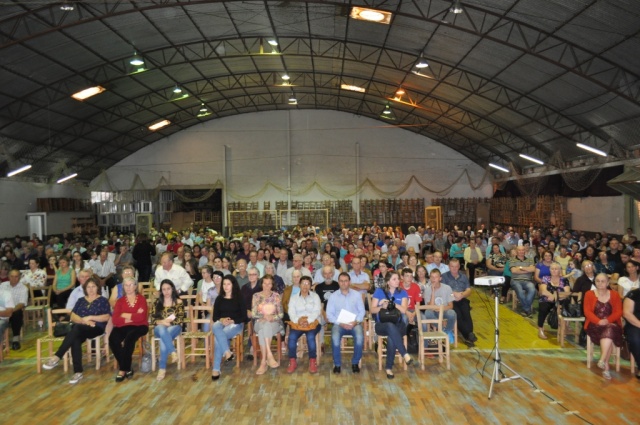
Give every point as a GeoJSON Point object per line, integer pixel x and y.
{"type": "Point", "coordinates": [199, 315]}
{"type": "Point", "coordinates": [57, 312]}
{"type": "Point", "coordinates": [437, 321]}
{"type": "Point", "coordinates": [40, 300]}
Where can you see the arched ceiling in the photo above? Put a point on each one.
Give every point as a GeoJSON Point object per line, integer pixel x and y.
{"type": "Point", "coordinates": [505, 77]}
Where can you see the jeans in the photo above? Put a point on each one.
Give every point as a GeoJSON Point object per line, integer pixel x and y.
{"type": "Point", "coordinates": [4, 324]}
{"type": "Point", "coordinates": [448, 315]}
{"type": "Point", "coordinates": [526, 291]}
{"type": "Point", "coordinates": [166, 335]}
{"type": "Point", "coordinates": [74, 339]}
{"type": "Point", "coordinates": [632, 334]}
{"type": "Point", "coordinates": [337, 332]}
{"type": "Point", "coordinates": [311, 341]}
{"type": "Point", "coordinates": [394, 333]}
{"type": "Point", "coordinates": [222, 334]}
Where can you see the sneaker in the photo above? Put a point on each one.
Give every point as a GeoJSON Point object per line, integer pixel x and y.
{"type": "Point", "coordinates": [50, 364]}
{"type": "Point", "coordinates": [76, 378]}
{"type": "Point", "coordinates": [452, 338]}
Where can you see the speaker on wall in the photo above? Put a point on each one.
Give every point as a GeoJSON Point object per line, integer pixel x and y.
{"type": "Point", "coordinates": [144, 223]}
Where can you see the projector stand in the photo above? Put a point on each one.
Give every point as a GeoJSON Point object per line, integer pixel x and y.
{"type": "Point", "coordinates": [498, 376]}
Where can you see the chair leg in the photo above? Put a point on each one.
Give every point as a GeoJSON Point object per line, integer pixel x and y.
{"type": "Point", "coordinates": [589, 352]}
{"type": "Point", "coordinates": [153, 355]}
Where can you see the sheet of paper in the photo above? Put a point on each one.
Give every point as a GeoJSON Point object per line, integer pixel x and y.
{"type": "Point", "coordinates": [346, 316]}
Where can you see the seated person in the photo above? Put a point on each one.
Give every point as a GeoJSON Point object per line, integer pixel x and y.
{"type": "Point", "coordinates": [117, 291]}
{"type": "Point", "coordinates": [439, 294]}
{"type": "Point", "coordinates": [168, 317]}
{"type": "Point", "coordinates": [461, 288]}
{"type": "Point", "coordinates": [522, 270]}
{"type": "Point", "coordinates": [630, 280]}
{"type": "Point", "coordinates": [394, 331]}
{"type": "Point", "coordinates": [351, 301]}
{"type": "Point", "coordinates": [413, 293]}
{"type": "Point", "coordinates": [267, 314]}
{"type": "Point", "coordinates": [552, 289]}
{"type": "Point", "coordinates": [229, 316]}
{"type": "Point", "coordinates": [602, 312]}
{"type": "Point", "coordinates": [89, 317]}
{"type": "Point", "coordinates": [304, 313]}
{"type": "Point", "coordinates": [631, 312]}
{"type": "Point", "coordinates": [20, 297]}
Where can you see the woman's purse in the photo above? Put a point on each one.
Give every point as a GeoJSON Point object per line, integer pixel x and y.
{"type": "Point", "coordinates": [570, 308]}
{"type": "Point", "coordinates": [298, 327]}
{"type": "Point", "coordinates": [61, 328]}
{"type": "Point", "coordinates": [391, 314]}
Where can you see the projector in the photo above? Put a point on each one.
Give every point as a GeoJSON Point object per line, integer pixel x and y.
{"type": "Point", "coordinates": [489, 281]}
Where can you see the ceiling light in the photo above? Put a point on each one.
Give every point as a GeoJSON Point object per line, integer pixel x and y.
{"type": "Point", "coordinates": [400, 92]}
{"type": "Point", "coordinates": [590, 149]}
{"type": "Point", "coordinates": [497, 167]}
{"type": "Point", "coordinates": [286, 77]}
{"type": "Point", "coordinates": [456, 7]}
{"type": "Point", "coordinates": [159, 125]}
{"type": "Point", "coordinates": [387, 110]}
{"type": "Point", "coordinates": [530, 158]}
{"type": "Point", "coordinates": [422, 63]}
{"type": "Point", "coordinates": [352, 88]}
{"type": "Point", "coordinates": [18, 171]}
{"type": "Point", "coordinates": [87, 93]}
{"type": "Point", "coordinates": [177, 89]}
{"type": "Point", "coordinates": [203, 108]}
{"type": "Point", "coordinates": [293, 100]}
{"type": "Point", "coordinates": [272, 42]}
{"type": "Point", "coordinates": [67, 7]}
{"type": "Point", "coordinates": [69, 177]}
{"type": "Point", "coordinates": [371, 15]}
{"type": "Point", "coordinates": [136, 60]}
{"type": "Point", "coordinates": [203, 112]}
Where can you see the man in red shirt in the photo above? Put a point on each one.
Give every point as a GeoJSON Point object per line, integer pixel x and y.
{"type": "Point", "coordinates": [415, 295]}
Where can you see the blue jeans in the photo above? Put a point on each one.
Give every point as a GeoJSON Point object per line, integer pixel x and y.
{"type": "Point", "coordinates": [166, 336]}
{"type": "Point", "coordinates": [448, 315]}
{"type": "Point", "coordinates": [395, 341]}
{"type": "Point", "coordinates": [337, 332]}
{"type": "Point", "coordinates": [311, 341]}
{"type": "Point", "coordinates": [222, 335]}
{"type": "Point", "coordinates": [526, 292]}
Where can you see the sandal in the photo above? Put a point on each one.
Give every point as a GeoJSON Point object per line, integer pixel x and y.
{"type": "Point", "coordinates": [273, 364]}
{"type": "Point", "coordinates": [601, 364]}
{"type": "Point", "coordinates": [262, 369]}
{"type": "Point", "coordinates": [606, 374]}
{"type": "Point", "coordinates": [161, 374]}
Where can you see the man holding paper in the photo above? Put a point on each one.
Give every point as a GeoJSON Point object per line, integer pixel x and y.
{"type": "Point", "coordinates": [345, 310]}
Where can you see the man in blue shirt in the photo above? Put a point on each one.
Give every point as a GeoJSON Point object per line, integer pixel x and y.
{"type": "Point", "coordinates": [351, 301]}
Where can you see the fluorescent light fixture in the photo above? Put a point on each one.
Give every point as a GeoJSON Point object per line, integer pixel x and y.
{"type": "Point", "coordinates": [371, 15]}
{"type": "Point", "coordinates": [87, 93]}
{"type": "Point", "coordinates": [69, 177]}
{"type": "Point", "coordinates": [286, 77]}
{"type": "Point", "coordinates": [497, 167]}
{"type": "Point", "coordinates": [19, 170]}
{"type": "Point", "coordinates": [530, 158]}
{"type": "Point", "coordinates": [352, 88]}
{"type": "Point", "coordinates": [456, 7]}
{"type": "Point", "coordinates": [138, 70]}
{"type": "Point", "coordinates": [159, 125]}
{"type": "Point", "coordinates": [590, 149]}
{"type": "Point", "coordinates": [136, 60]}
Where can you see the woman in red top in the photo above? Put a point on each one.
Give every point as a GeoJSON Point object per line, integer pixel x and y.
{"type": "Point", "coordinates": [602, 312]}
{"type": "Point", "coordinates": [130, 322]}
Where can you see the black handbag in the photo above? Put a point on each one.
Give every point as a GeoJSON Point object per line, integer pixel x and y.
{"type": "Point", "coordinates": [391, 314]}
{"type": "Point", "coordinates": [571, 309]}
{"type": "Point", "coordinates": [552, 318]}
{"type": "Point", "coordinates": [61, 329]}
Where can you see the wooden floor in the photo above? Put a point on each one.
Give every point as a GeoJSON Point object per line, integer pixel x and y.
{"type": "Point", "coordinates": [565, 390]}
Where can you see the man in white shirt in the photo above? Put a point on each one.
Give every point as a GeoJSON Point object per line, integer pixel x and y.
{"type": "Point", "coordinates": [6, 309]}
{"type": "Point", "coordinates": [359, 279]}
{"type": "Point", "coordinates": [437, 264]}
{"type": "Point", "coordinates": [20, 297]}
{"type": "Point", "coordinates": [413, 240]}
{"type": "Point", "coordinates": [283, 264]}
{"type": "Point", "coordinates": [177, 274]}
{"type": "Point", "coordinates": [297, 265]}
{"type": "Point", "coordinates": [253, 262]}
{"type": "Point", "coordinates": [104, 268]}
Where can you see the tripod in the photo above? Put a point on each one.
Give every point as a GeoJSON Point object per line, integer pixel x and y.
{"type": "Point", "coordinates": [498, 376]}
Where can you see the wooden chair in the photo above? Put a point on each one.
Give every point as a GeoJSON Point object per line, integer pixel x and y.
{"type": "Point", "coordinates": [198, 315]}
{"type": "Point", "coordinates": [97, 350]}
{"type": "Point", "coordinates": [4, 344]}
{"type": "Point", "coordinates": [50, 339]}
{"type": "Point", "coordinates": [35, 310]}
{"type": "Point", "coordinates": [237, 344]}
{"type": "Point", "coordinates": [511, 295]}
{"type": "Point", "coordinates": [438, 335]}
{"type": "Point", "coordinates": [139, 348]}
{"type": "Point", "coordinates": [632, 364]}
{"type": "Point", "coordinates": [179, 347]}
{"type": "Point", "coordinates": [382, 351]}
{"type": "Point", "coordinates": [564, 326]}
{"type": "Point", "coordinates": [256, 345]}
{"type": "Point", "coordinates": [616, 353]}
{"type": "Point", "coordinates": [303, 345]}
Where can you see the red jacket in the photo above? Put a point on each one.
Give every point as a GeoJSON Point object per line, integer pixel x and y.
{"type": "Point", "coordinates": [138, 318]}
{"type": "Point", "coordinates": [590, 300]}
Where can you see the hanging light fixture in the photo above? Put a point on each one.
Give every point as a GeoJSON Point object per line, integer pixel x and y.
{"type": "Point", "coordinates": [177, 89]}
{"type": "Point", "coordinates": [422, 63]}
{"type": "Point", "coordinates": [136, 60]}
{"type": "Point", "coordinates": [456, 7]}
{"type": "Point", "coordinates": [590, 149]}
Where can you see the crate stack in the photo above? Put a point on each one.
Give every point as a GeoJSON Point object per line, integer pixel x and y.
{"type": "Point", "coordinates": [459, 211]}
{"type": "Point", "coordinates": [523, 211]}
{"type": "Point", "coordinates": [391, 211]}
